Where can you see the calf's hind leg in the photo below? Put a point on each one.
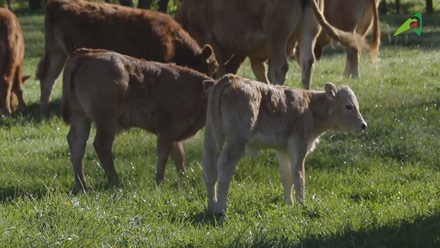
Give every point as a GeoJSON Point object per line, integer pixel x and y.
{"type": "Point", "coordinates": [210, 157]}
{"type": "Point", "coordinates": [77, 139]}
{"type": "Point", "coordinates": [105, 135]}
{"type": "Point", "coordinates": [226, 164]}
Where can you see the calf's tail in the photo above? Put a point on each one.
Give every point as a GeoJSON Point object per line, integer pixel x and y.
{"type": "Point", "coordinates": [213, 120]}
{"type": "Point", "coordinates": [375, 39]}
{"type": "Point", "coordinates": [72, 65]}
{"type": "Point", "coordinates": [348, 40]}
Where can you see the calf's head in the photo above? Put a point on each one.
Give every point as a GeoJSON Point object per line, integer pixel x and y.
{"type": "Point", "coordinates": [344, 114]}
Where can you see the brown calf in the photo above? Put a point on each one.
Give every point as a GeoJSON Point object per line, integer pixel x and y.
{"type": "Point", "coordinates": [11, 63]}
{"type": "Point", "coordinates": [72, 24]}
{"type": "Point", "coordinates": [119, 92]}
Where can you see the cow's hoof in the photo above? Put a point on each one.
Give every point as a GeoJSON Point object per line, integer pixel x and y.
{"type": "Point", "coordinates": [158, 182]}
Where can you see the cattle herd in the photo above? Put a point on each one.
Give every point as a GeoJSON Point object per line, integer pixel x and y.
{"type": "Point", "coordinates": [126, 67]}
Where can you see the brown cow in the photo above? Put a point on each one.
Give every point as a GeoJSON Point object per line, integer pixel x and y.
{"type": "Point", "coordinates": [11, 63]}
{"type": "Point", "coordinates": [151, 35]}
{"type": "Point", "coordinates": [118, 92]}
{"type": "Point", "coordinates": [352, 16]}
{"type": "Point", "coordinates": [261, 30]}
{"type": "Point", "coordinates": [248, 114]}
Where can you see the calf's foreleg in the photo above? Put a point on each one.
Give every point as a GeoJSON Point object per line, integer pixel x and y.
{"type": "Point", "coordinates": [226, 164]}
{"type": "Point", "coordinates": [178, 157]}
{"type": "Point", "coordinates": [286, 176]}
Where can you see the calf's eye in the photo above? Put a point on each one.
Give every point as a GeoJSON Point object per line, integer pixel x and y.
{"type": "Point", "coordinates": [349, 107]}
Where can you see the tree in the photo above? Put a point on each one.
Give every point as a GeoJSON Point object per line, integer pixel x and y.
{"type": "Point", "coordinates": [9, 5]}
{"type": "Point", "coordinates": [429, 8]}
{"type": "Point", "coordinates": [144, 4]}
{"type": "Point", "coordinates": [163, 5]}
{"type": "Point", "coordinates": [35, 4]}
{"type": "Point", "coordinates": [383, 7]}
{"type": "Point", "coordinates": [126, 3]}
{"type": "Point", "coordinates": [398, 6]}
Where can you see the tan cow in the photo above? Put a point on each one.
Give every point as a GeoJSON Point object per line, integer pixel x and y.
{"type": "Point", "coordinates": [352, 16]}
{"type": "Point", "coordinates": [248, 114]}
{"type": "Point", "coordinates": [261, 30]}
{"type": "Point", "coordinates": [118, 92]}
{"type": "Point", "coordinates": [151, 35]}
{"type": "Point", "coordinates": [11, 63]}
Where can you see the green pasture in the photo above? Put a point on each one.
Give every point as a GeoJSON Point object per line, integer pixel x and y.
{"type": "Point", "coordinates": [377, 189]}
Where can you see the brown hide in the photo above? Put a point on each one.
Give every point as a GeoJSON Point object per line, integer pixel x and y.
{"type": "Point", "coordinates": [11, 63]}
{"type": "Point", "coordinates": [260, 30]}
{"type": "Point", "coordinates": [119, 92]}
{"type": "Point", "coordinates": [72, 24]}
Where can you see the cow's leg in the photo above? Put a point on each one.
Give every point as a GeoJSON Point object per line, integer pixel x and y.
{"type": "Point", "coordinates": [105, 135]}
{"type": "Point", "coordinates": [6, 83]}
{"type": "Point", "coordinates": [234, 63]}
{"type": "Point", "coordinates": [286, 176]}
{"type": "Point", "coordinates": [278, 31]}
{"type": "Point", "coordinates": [77, 140]}
{"type": "Point", "coordinates": [164, 147]}
{"type": "Point", "coordinates": [352, 64]}
{"type": "Point", "coordinates": [259, 69]}
{"type": "Point", "coordinates": [211, 153]}
{"type": "Point", "coordinates": [48, 71]}
{"type": "Point", "coordinates": [307, 39]}
{"type": "Point", "coordinates": [178, 157]}
{"type": "Point", "coordinates": [297, 152]}
{"type": "Point", "coordinates": [226, 164]}
{"type": "Point", "coordinates": [18, 88]}
{"type": "Point", "coordinates": [5, 94]}
{"type": "Point", "coordinates": [278, 66]}
{"type": "Point", "coordinates": [5, 91]}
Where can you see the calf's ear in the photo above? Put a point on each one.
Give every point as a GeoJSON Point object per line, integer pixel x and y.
{"type": "Point", "coordinates": [208, 83]}
{"type": "Point", "coordinates": [330, 90]}
{"type": "Point", "coordinates": [208, 53]}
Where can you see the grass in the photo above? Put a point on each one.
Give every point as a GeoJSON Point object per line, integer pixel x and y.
{"type": "Point", "coordinates": [378, 189]}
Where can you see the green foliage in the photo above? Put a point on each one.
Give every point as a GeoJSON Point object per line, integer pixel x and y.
{"type": "Point", "coordinates": [378, 189]}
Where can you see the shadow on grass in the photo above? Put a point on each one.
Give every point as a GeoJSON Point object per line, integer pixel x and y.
{"type": "Point", "coordinates": [32, 115]}
{"type": "Point", "coordinates": [423, 231]}
{"type": "Point", "coordinates": [206, 219]}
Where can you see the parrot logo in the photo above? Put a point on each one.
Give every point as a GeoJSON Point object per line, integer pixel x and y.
{"type": "Point", "coordinates": [414, 23]}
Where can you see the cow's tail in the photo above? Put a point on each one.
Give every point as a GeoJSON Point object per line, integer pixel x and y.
{"type": "Point", "coordinates": [348, 40]}
{"type": "Point", "coordinates": [375, 39]}
{"type": "Point", "coordinates": [71, 68]}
